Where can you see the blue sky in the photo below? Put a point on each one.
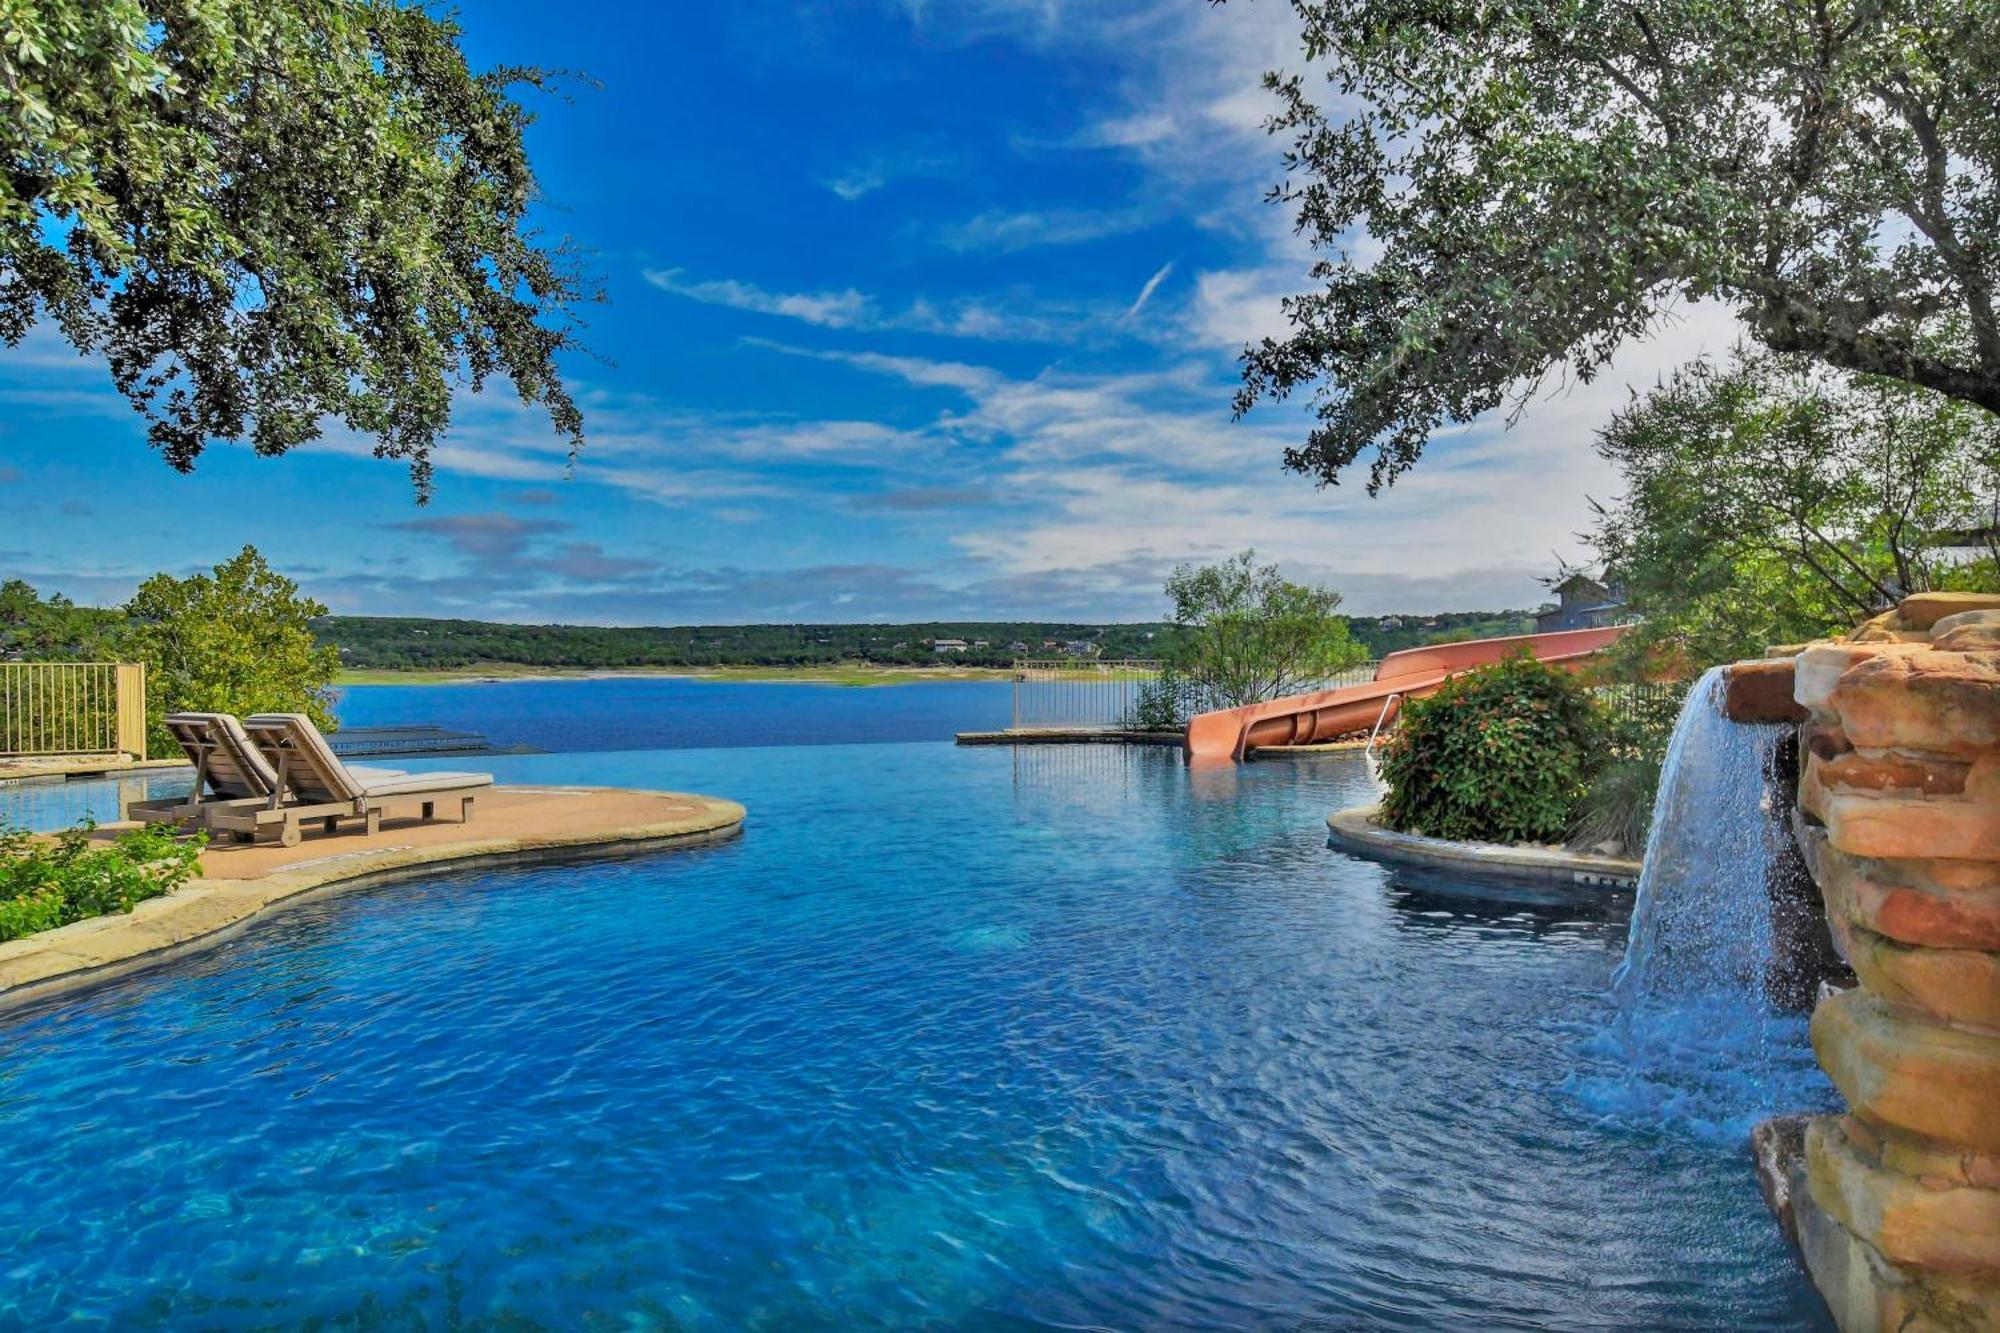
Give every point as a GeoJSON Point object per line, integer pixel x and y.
{"type": "Point", "coordinates": [917, 310]}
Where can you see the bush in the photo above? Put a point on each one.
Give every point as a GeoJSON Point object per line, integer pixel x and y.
{"type": "Point", "coordinates": [45, 884]}
{"type": "Point", "coordinates": [1165, 703]}
{"type": "Point", "coordinates": [1501, 754]}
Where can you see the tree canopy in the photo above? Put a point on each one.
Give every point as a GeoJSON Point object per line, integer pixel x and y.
{"type": "Point", "coordinates": [1767, 500]}
{"type": "Point", "coordinates": [1247, 633]}
{"type": "Point", "coordinates": [267, 214]}
{"type": "Point", "coordinates": [236, 640]}
{"type": "Point", "coordinates": [1503, 192]}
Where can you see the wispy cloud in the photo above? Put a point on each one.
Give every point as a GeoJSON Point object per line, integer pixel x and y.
{"type": "Point", "coordinates": [906, 161]}
{"type": "Point", "coordinates": [1146, 292]}
{"type": "Point", "coordinates": [923, 499]}
{"type": "Point", "coordinates": [989, 320]}
{"type": "Point", "coordinates": [847, 309]}
{"type": "Point", "coordinates": [1005, 231]}
{"type": "Point", "coordinates": [489, 539]}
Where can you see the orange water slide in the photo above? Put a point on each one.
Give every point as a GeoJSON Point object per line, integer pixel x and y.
{"type": "Point", "coordinates": [1303, 719]}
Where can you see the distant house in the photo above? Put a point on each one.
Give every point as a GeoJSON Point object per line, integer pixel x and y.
{"type": "Point", "coordinates": [1017, 647]}
{"type": "Point", "coordinates": [1390, 622]}
{"type": "Point", "coordinates": [949, 645]}
{"type": "Point", "coordinates": [1585, 604]}
{"type": "Point", "coordinates": [1080, 648]}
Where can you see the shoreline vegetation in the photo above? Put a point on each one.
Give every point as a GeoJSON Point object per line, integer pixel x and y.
{"type": "Point", "coordinates": [420, 650]}
{"type": "Point", "coordinates": [851, 673]}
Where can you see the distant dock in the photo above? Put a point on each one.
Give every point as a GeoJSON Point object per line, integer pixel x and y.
{"type": "Point", "coordinates": [412, 742]}
{"type": "Point", "coordinates": [1068, 736]}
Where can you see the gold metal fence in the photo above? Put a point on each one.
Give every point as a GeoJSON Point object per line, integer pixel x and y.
{"type": "Point", "coordinates": [64, 708]}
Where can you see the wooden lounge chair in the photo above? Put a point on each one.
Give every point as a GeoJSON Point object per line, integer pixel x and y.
{"type": "Point", "coordinates": [313, 785]}
{"type": "Point", "coordinates": [229, 772]}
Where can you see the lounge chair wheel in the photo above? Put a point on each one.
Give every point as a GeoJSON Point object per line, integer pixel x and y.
{"type": "Point", "coordinates": [291, 836]}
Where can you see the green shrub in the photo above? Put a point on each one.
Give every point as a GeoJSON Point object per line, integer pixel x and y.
{"type": "Point", "coordinates": [1501, 754]}
{"type": "Point", "coordinates": [1164, 703]}
{"type": "Point", "coordinates": [48, 883]}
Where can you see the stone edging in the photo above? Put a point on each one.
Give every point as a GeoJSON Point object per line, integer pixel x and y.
{"type": "Point", "coordinates": [208, 911]}
{"type": "Point", "coordinates": [1356, 830]}
{"type": "Point", "coordinates": [95, 766]}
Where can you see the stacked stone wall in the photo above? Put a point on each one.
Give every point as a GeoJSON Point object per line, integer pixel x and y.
{"type": "Point", "coordinates": [1896, 1202]}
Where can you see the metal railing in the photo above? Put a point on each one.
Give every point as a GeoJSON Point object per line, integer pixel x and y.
{"type": "Point", "coordinates": [1637, 704]}
{"type": "Point", "coordinates": [64, 708]}
{"type": "Point", "coordinates": [1079, 692]}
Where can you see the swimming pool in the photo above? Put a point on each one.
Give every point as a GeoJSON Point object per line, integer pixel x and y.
{"type": "Point", "coordinates": [962, 1038]}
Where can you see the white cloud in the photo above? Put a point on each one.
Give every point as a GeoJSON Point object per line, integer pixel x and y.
{"type": "Point", "coordinates": [1136, 130]}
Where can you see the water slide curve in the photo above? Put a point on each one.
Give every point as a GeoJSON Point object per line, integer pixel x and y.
{"type": "Point", "coordinates": [1303, 719]}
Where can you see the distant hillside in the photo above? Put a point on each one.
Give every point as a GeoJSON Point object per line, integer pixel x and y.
{"type": "Point", "coordinates": [380, 643]}
{"type": "Point", "coordinates": [383, 643]}
{"type": "Point", "coordinates": [1388, 634]}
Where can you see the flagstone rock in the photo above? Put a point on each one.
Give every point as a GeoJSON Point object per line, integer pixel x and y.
{"type": "Point", "coordinates": [1896, 1205]}
{"type": "Point", "coordinates": [1963, 826]}
{"type": "Point", "coordinates": [1906, 1072]}
{"type": "Point", "coordinates": [1936, 904]}
{"type": "Point", "coordinates": [1928, 701]}
{"type": "Point", "coordinates": [1947, 1225]}
{"type": "Point", "coordinates": [1761, 692]}
{"type": "Point", "coordinates": [1922, 611]}
{"type": "Point", "coordinates": [1819, 668]}
{"type": "Point", "coordinates": [1956, 985]}
{"type": "Point", "coordinates": [1968, 631]}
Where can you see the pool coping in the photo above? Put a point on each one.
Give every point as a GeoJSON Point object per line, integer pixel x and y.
{"type": "Point", "coordinates": [1068, 736]}
{"type": "Point", "coordinates": [1357, 830]}
{"type": "Point", "coordinates": [209, 911]}
{"type": "Point", "coordinates": [65, 767]}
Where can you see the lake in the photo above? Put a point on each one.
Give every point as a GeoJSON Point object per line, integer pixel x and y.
{"type": "Point", "coordinates": [682, 713]}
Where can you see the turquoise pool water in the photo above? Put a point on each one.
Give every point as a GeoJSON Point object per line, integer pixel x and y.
{"type": "Point", "coordinates": [949, 1038]}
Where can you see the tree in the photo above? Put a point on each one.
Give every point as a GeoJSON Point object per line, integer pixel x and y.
{"type": "Point", "coordinates": [1540, 181]}
{"type": "Point", "coordinates": [1245, 633]}
{"type": "Point", "coordinates": [237, 640]}
{"type": "Point", "coordinates": [1768, 500]}
{"type": "Point", "coordinates": [54, 628]}
{"type": "Point", "coordinates": [267, 213]}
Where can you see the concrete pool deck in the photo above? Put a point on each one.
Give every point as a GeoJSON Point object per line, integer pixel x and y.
{"type": "Point", "coordinates": [512, 825]}
{"type": "Point", "coordinates": [1358, 831]}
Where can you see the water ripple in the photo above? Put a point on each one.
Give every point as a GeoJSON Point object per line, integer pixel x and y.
{"type": "Point", "coordinates": [1103, 1048]}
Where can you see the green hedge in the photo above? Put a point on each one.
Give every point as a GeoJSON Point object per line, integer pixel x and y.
{"type": "Point", "coordinates": [1501, 754]}
{"type": "Point", "coordinates": [47, 883]}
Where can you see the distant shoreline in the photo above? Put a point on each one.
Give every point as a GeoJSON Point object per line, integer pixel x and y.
{"type": "Point", "coordinates": [748, 675]}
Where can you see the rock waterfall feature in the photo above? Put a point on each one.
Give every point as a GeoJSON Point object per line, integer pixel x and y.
{"type": "Point", "coordinates": [1896, 1202]}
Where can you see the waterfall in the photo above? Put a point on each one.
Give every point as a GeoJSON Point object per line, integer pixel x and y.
{"type": "Point", "coordinates": [1701, 921]}
{"type": "Point", "coordinates": [1693, 1042]}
